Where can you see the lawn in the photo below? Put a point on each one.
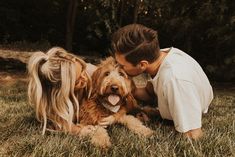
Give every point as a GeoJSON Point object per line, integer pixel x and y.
{"type": "Point", "coordinates": [20, 133]}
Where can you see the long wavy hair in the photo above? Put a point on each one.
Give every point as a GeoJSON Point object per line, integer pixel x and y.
{"type": "Point", "coordinates": [58, 81]}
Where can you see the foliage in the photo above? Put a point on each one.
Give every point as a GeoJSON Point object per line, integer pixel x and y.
{"type": "Point", "coordinates": [203, 29]}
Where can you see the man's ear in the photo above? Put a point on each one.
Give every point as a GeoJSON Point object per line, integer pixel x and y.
{"type": "Point", "coordinates": [143, 65]}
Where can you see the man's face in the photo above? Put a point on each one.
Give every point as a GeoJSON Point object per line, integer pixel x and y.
{"type": "Point", "coordinates": [127, 66]}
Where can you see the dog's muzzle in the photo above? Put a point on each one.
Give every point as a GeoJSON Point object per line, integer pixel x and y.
{"type": "Point", "coordinates": [113, 95]}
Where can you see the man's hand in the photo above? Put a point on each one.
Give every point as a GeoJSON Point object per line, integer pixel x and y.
{"type": "Point", "coordinates": [145, 94]}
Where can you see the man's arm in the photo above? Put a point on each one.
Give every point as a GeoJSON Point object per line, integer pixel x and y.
{"type": "Point", "coordinates": [184, 107]}
{"type": "Point", "coordinates": [194, 134]}
{"type": "Point", "coordinates": [145, 93]}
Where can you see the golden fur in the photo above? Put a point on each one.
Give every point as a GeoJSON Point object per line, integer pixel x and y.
{"type": "Point", "coordinates": [110, 79]}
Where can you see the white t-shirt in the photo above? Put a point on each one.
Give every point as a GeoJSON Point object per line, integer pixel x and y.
{"type": "Point", "coordinates": [184, 91]}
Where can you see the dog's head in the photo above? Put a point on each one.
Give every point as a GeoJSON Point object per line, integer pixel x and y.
{"type": "Point", "coordinates": [110, 82]}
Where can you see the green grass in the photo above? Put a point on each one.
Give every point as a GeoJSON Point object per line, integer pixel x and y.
{"type": "Point", "coordinates": [20, 133]}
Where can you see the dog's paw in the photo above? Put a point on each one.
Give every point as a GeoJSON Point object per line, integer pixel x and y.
{"type": "Point", "coordinates": [87, 130]}
{"type": "Point", "coordinates": [100, 138]}
{"type": "Point", "coordinates": [147, 132]}
{"type": "Point", "coordinates": [107, 121]}
{"type": "Point", "coordinates": [103, 143]}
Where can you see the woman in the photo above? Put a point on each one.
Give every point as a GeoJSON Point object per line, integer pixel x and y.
{"type": "Point", "coordinates": [58, 81]}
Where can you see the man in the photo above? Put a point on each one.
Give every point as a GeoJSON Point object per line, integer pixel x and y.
{"type": "Point", "coordinates": [182, 88]}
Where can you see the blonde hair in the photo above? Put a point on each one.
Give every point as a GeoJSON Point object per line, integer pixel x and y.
{"type": "Point", "coordinates": [51, 90]}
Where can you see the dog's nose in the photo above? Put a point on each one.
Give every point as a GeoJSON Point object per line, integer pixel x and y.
{"type": "Point", "coordinates": [114, 88]}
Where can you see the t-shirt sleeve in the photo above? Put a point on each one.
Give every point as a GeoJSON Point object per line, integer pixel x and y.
{"type": "Point", "coordinates": [184, 104]}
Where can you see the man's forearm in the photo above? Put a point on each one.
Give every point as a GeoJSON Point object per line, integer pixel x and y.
{"type": "Point", "coordinates": [141, 94]}
{"type": "Point", "coordinates": [194, 134]}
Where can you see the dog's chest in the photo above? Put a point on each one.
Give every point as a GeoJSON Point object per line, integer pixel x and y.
{"type": "Point", "coordinates": [106, 111]}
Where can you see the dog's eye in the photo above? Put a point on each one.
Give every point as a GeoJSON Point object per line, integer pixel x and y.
{"type": "Point", "coordinates": [106, 73]}
{"type": "Point", "coordinates": [121, 73]}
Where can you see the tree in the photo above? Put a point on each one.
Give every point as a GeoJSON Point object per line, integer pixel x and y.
{"type": "Point", "coordinates": [136, 9]}
{"type": "Point", "coordinates": [71, 17]}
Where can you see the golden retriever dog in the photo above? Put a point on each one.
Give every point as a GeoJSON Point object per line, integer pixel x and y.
{"type": "Point", "coordinates": [110, 101]}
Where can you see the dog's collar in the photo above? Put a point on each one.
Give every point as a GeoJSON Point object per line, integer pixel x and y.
{"type": "Point", "coordinates": [114, 109]}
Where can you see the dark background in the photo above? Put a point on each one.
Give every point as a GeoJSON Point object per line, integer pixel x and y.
{"type": "Point", "coordinates": [204, 29]}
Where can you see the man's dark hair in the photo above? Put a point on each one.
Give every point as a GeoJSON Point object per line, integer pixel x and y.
{"type": "Point", "coordinates": [137, 43]}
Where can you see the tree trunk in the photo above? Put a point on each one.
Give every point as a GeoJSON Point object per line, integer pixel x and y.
{"type": "Point", "coordinates": [71, 18]}
{"type": "Point", "coordinates": [121, 13]}
{"type": "Point", "coordinates": [136, 9]}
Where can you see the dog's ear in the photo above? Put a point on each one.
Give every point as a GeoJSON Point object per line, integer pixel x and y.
{"type": "Point", "coordinates": [95, 81]}
{"type": "Point", "coordinates": [108, 61]}
{"type": "Point", "coordinates": [88, 87]}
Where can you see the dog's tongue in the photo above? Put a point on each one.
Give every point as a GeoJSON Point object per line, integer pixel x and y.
{"type": "Point", "coordinates": [113, 99]}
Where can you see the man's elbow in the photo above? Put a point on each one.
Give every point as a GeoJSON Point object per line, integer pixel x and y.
{"type": "Point", "coordinates": [194, 134]}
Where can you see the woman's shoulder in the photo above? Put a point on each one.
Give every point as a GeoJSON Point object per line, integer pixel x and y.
{"type": "Point", "coordinates": [90, 68]}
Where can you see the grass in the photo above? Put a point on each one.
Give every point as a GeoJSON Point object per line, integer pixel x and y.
{"type": "Point", "coordinates": [20, 133]}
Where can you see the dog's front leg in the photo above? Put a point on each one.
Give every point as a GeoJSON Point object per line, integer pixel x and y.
{"type": "Point", "coordinates": [97, 134]}
{"type": "Point", "coordinates": [112, 118]}
{"type": "Point", "coordinates": [135, 125]}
